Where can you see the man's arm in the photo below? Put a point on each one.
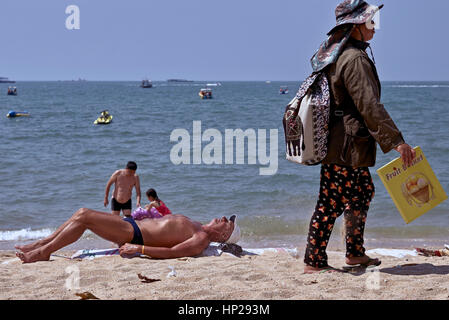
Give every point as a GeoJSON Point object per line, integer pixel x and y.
{"type": "Point", "coordinates": [108, 186]}
{"type": "Point", "coordinates": [138, 194]}
{"type": "Point", "coordinates": [189, 248]}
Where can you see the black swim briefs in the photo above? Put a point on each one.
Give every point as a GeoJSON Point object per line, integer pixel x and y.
{"type": "Point", "coordinates": [117, 206]}
{"type": "Point", "coordinates": [137, 237]}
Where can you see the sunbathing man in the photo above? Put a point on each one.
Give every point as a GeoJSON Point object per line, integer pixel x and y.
{"type": "Point", "coordinates": [172, 236]}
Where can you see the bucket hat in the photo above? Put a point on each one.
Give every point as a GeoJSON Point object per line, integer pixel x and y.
{"type": "Point", "coordinates": [348, 14]}
{"type": "Point", "coordinates": [354, 12]}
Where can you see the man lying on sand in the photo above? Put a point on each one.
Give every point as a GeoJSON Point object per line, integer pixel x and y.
{"type": "Point", "coordinates": [172, 236]}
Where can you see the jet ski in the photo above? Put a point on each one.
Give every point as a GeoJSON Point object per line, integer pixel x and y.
{"type": "Point", "coordinates": [104, 118]}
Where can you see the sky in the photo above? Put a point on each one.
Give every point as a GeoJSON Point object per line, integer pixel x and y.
{"type": "Point", "coordinates": [209, 39]}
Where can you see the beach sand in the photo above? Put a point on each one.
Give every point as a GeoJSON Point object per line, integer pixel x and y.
{"type": "Point", "coordinates": [269, 276]}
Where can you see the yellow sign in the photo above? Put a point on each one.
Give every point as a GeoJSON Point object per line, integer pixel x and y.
{"type": "Point", "coordinates": [415, 190]}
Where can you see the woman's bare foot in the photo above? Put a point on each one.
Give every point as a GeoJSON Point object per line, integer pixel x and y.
{"type": "Point", "coordinates": [33, 256]}
{"type": "Point", "coordinates": [310, 270]}
{"type": "Point", "coordinates": [365, 261]}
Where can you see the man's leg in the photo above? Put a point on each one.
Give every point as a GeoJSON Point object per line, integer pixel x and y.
{"type": "Point", "coordinates": [41, 242]}
{"type": "Point", "coordinates": [109, 227]}
{"type": "Point", "coordinates": [126, 208]}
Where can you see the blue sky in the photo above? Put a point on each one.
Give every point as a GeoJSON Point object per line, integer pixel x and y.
{"type": "Point", "coordinates": [209, 40]}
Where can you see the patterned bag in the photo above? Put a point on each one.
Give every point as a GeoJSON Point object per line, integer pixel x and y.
{"type": "Point", "coordinates": [306, 121]}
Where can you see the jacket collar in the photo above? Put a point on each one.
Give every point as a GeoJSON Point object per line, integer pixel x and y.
{"type": "Point", "coordinates": [358, 44]}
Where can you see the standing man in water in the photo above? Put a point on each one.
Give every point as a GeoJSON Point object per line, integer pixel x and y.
{"type": "Point", "coordinates": [125, 180]}
{"type": "Point", "coordinates": [358, 121]}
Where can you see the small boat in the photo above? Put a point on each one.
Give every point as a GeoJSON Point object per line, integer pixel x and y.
{"type": "Point", "coordinates": [283, 90]}
{"type": "Point", "coordinates": [216, 84]}
{"type": "Point", "coordinates": [12, 91]}
{"type": "Point", "coordinates": [104, 118]}
{"type": "Point", "coordinates": [205, 93]}
{"type": "Point", "coordinates": [13, 114]}
{"type": "Point", "coordinates": [146, 84]}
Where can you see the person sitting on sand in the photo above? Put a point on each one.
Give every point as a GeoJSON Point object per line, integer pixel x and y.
{"type": "Point", "coordinates": [172, 236]}
{"type": "Point", "coordinates": [157, 203]}
{"type": "Point", "coordinates": [156, 209]}
{"type": "Point", "coordinates": [125, 180]}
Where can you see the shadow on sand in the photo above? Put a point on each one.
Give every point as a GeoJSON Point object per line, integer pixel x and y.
{"type": "Point", "coordinates": [417, 269]}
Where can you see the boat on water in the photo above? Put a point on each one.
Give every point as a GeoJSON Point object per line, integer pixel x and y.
{"type": "Point", "coordinates": [283, 90]}
{"type": "Point", "coordinates": [205, 93]}
{"type": "Point", "coordinates": [146, 84]}
{"type": "Point", "coordinates": [104, 118]}
{"type": "Point", "coordinates": [12, 91]}
{"type": "Point", "coordinates": [216, 84]}
{"type": "Point", "coordinates": [13, 114]}
{"type": "Point", "coordinates": [6, 80]}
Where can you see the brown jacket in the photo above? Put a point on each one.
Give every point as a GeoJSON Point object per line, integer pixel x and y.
{"type": "Point", "coordinates": [358, 120]}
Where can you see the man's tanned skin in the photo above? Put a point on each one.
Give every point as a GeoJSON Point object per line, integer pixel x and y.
{"type": "Point", "coordinates": [172, 236]}
{"type": "Point", "coordinates": [125, 180]}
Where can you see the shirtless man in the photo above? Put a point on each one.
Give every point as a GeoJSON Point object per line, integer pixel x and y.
{"type": "Point", "coordinates": [124, 180]}
{"type": "Point", "coordinates": [172, 236]}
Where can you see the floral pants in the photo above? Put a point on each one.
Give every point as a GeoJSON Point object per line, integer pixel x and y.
{"type": "Point", "coordinates": [347, 190]}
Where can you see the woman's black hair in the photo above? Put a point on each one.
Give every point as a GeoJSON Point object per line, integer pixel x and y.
{"type": "Point", "coordinates": [152, 193]}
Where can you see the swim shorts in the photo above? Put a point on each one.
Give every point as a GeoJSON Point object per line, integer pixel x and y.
{"type": "Point", "coordinates": [117, 206]}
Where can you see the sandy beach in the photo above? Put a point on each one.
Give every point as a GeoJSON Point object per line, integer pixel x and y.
{"type": "Point", "coordinates": [268, 276]}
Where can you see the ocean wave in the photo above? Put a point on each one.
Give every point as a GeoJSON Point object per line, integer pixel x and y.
{"type": "Point", "coordinates": [24, 234]}
{"type": "Point", "coordinates": [419, 86]}
{"type": "Point", "coordinates": [29, 234]}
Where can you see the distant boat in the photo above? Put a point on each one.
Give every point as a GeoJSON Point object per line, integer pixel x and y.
{"type": "Point", "coordinates": [205, 93]}
{"type": "Point", "coordinates": [217, 84]}
{"type": "Point", "coordinates": [12, 91]}
{"type": "Point", "coordinates": [179, 80]}
{"type": "Point", "coordinates": [268, 82]}
{"type": "Point", "coordinates": [6, 80]}
{"type": "Point", "coordinates": [283, 90]}
{"type": "Point", "coordinates": [146, 84]}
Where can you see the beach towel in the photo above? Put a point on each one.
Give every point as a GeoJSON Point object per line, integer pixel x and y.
{"type": "Point", "coordinates": [397, 253]}
{"type": "Point", "coordinates": [214, 249]}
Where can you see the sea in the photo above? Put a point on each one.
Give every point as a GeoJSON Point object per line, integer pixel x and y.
{"type": "Point", "coordinates": [56, 160]}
